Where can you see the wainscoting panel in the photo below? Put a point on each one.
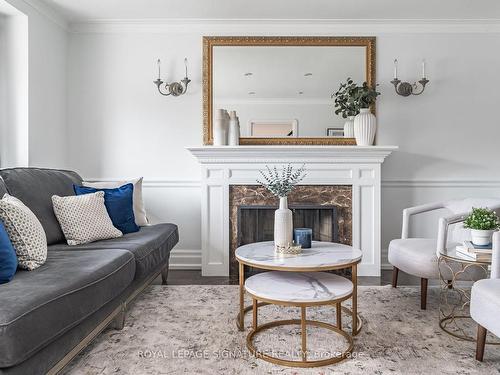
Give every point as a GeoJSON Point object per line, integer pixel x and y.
{"type": "Point", "coordinates": [179, 202]}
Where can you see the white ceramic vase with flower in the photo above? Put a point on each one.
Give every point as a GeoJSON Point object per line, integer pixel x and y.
{"type": "Point", "coordinates": [482, 222]}
{"type": "Point", "coordinates": [281, 184]}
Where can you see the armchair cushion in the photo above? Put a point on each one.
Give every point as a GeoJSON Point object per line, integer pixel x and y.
{"type": "Point", "coordinates": [415, 256]}
{"type": "Point", "coordinates": [485, 304]}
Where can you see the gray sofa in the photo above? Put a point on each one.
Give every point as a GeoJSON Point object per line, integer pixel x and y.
{"type": "Point", "coordinates": [48, 315]}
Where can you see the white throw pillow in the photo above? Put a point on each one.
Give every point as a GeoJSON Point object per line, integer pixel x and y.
{"type": "Point", "coordinates": [25, 232]}
{"type": "Point", "coordinates": [84, 218]}
{"type": "Point", "coordinates": [139, 210]}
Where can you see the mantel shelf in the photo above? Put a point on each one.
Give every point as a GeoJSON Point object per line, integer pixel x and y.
{"type": "Point", "coordinates": [291, 153]}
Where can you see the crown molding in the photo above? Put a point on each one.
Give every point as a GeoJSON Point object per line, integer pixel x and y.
{"type": "Point", "coordinates": [288, 26]}
{"type": "Point", "coordinates": [48, 12]}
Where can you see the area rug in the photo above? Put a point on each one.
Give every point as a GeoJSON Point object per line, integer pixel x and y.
{"type": "Point", "coordinates": [191, 330]}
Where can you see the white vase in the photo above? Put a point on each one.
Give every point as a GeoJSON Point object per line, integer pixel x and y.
{"type": "Point", "coordinates": [283, 224]}
{"type": "Point", "coordinates": [365, 126]}
{"type": "Point", "coordinates": [349, 127]}
{"type": "Point", "coordinates": [234, 129]}
{"type": "Point", "coordinates": [220, 128]}
{"type": "Point", "coordinates": [481, 237]}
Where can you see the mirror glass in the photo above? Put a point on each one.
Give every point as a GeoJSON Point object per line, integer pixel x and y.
{"type": "Point", "coordinates": [284, 91]}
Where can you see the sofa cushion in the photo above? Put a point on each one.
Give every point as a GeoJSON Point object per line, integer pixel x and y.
{"type": "Point", "coordinates": [38, 306]}
{"type": "Point", "coordinates": [25, 232]}
{"type": "Point", "coordinates": [35, 187]}
{"type": "Point", "coordinates": [151, 246]}
{"type": "Point", "coordinates": [485, 304]}
{"type": "Point", "coordinates": [84, 218]}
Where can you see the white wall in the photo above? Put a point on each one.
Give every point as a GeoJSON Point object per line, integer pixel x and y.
{"type": "Point", "coordinates": [14, 148]}
{"type": "Point", "coordinates": [47, 39]}
{"type": "Point", "coordinates": [119, 126]}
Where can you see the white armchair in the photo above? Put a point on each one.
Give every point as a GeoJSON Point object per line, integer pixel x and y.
{"type": "Point", "coordinates": [485, 301]}
{"type": "Point", "coordinates": [419, 256]}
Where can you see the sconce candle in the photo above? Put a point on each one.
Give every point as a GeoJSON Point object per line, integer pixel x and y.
{"type": "Point", "coordinates": [303, 237]}
{"type": "Point", "coordinates": [174, 88]}
{"type": "Point", "coordinates": [407, 88]}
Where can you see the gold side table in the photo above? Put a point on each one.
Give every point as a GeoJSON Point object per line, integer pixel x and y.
{"type": "Point", "coordinates": [322, 256]}
{"type": "Point", "coordinates": [456, 274]}
{"type": "Point", "coordinates": [300, 289]}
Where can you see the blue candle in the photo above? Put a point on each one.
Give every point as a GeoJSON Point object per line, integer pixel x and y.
{"type": "Point", "coordinates": [303, 236]}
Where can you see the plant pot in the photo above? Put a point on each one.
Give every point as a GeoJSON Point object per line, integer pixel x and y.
{"type": "Point", "coordinates": [349, 127]}
{"type": "Point", "coordinates": [283, 224]}
{"type": "Point", "coordinates": [481, 237]}
{"type": "Point", "coordinates": [365, 126]}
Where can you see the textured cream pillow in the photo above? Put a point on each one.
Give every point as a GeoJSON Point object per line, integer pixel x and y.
{"type": "Point", "coordinates": [25, 232]}
{"type": "Point", "coordinates": [139, 210]}
{"type": "Point", "coordinates": [84, 218]}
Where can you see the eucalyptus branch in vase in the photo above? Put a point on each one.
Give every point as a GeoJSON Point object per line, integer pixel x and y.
{"type": "Point", "coordinates": [281, 185]}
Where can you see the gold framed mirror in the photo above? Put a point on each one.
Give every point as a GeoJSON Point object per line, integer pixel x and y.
{"type": "Point", "coordinates": [281, 86]}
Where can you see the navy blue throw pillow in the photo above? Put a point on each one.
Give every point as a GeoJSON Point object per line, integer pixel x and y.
{"type": "Point", "coordinates": [119, 204]}
{"type": "Point", "coordinates": [8, 257]}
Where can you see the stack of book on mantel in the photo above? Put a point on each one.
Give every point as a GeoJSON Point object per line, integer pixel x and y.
{"type": "Point", "coordinates": [477, 253]}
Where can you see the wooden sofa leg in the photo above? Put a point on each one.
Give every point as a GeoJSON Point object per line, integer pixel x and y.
{"type": "Point", "coordinates": [423, 293]}
{"type": "Point", "coordinates": [481, 341]}
{"type": "Point", "coordinates": [164, 275]}
{"type": "Point", "coordinates": [395, 272]}
{"type": "Point", "coordinates": [119, 321]}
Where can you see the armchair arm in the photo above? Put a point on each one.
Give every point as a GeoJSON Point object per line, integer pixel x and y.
{"type": "Point", "coordinates": [495, 260]}
{"type": "Point", "coordinates": [444, 224]}
{"type": "Point", "coordinates": [410, 211]}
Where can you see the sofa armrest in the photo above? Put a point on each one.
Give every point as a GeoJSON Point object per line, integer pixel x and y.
{"type": "Point", "coordinates": [410, 211]}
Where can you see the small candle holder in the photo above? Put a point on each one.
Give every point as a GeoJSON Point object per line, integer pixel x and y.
{"type": "Point", "coordinates": [407, 89]}
{"type": "Point", "coordinates": [303, 237]}
{"type": "Point", "coordinates": [290, 249]}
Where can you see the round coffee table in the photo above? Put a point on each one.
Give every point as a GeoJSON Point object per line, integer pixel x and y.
{"type": "Point", "coordinates": [301, 289]}
{"type": "Point", "coordinates": [322, 256]}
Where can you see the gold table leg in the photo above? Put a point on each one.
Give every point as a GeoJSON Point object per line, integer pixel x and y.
{"type": "Point", "coordinates": [241, 318]}
{"type": "Point", "coordinates": [303, 332]}
{"type": "Point", "coordinates": [338, 308]}
{"type": "Point", "coordinates": [255, 307]}
{"type": "Point", "coordinates": [354, 276]}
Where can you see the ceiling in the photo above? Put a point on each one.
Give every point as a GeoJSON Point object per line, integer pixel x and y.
{"type": "Point", "coordinates": [91, 10]}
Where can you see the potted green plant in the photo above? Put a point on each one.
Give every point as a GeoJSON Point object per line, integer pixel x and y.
{"type": "Point", "coordinates": [346, 106]}
{"type": "Point", "coordinates": [482, 222]}
{"type": "Point", "coordinates": [280, 185]}
{"type": "Point", "coordinates": [365, 123]}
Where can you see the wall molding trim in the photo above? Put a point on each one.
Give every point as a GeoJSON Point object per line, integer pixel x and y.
{"type": "Point", "coordinates": [286, 26]}
{"type": "Point", "coordinates": [442, 183]}
{"type": "Point", "coordinates": [389, 183]}
{"type": "Point", "coordinates": [48, 12]}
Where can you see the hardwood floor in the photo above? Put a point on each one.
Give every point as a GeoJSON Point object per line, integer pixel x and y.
{"type": "Point", "coordinates": [193, 277]}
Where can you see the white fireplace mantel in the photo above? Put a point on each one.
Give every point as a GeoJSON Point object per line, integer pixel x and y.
{"type": "Point", "coordinates": [358, 166]}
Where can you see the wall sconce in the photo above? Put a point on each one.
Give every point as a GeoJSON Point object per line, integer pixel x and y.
{"type": "Point", "coordinates": [174, 88]}
{"type": "Point", "coordinates": [406, 88]}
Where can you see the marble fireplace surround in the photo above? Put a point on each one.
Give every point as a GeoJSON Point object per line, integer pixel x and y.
{"type": "Point", "coordinates": [339, 196]}
{"type": "Point", "coordinates": [354, 166]}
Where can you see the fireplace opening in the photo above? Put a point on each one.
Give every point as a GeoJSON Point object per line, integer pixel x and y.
{"type": "Point", "coordinates": [326, 209]}
{"type": "Point", "coordinates": [256, 223]}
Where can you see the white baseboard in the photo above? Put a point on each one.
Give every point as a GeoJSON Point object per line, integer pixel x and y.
{"type": "Point", "coordinates": [184, 259]}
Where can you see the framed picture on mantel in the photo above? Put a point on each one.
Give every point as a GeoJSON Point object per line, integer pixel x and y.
{"type": "Point", "coordinates": [281, 77]}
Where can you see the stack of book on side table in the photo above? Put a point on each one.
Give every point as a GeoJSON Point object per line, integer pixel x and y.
{"type": "Point", "coordinates": [477, 253]}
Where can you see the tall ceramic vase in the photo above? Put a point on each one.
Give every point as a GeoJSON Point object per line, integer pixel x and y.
{"type": "Point", "coordinates": [349, 127]}
{"type": "Point", "coordinates": [283, 224]}
{"type": "Point", "coordinates": [365, 126]}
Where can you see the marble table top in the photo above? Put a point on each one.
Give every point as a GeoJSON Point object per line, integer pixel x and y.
{"type": "Point", "coordinates": [300, 287]}
{"type": "Point", "coordinates": [321, 255]}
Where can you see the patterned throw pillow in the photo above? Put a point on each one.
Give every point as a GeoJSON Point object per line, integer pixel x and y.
{"type": "Point", "coordinates": [84, 218]}
{"type": "Point", "coordinates": [25, 232]}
